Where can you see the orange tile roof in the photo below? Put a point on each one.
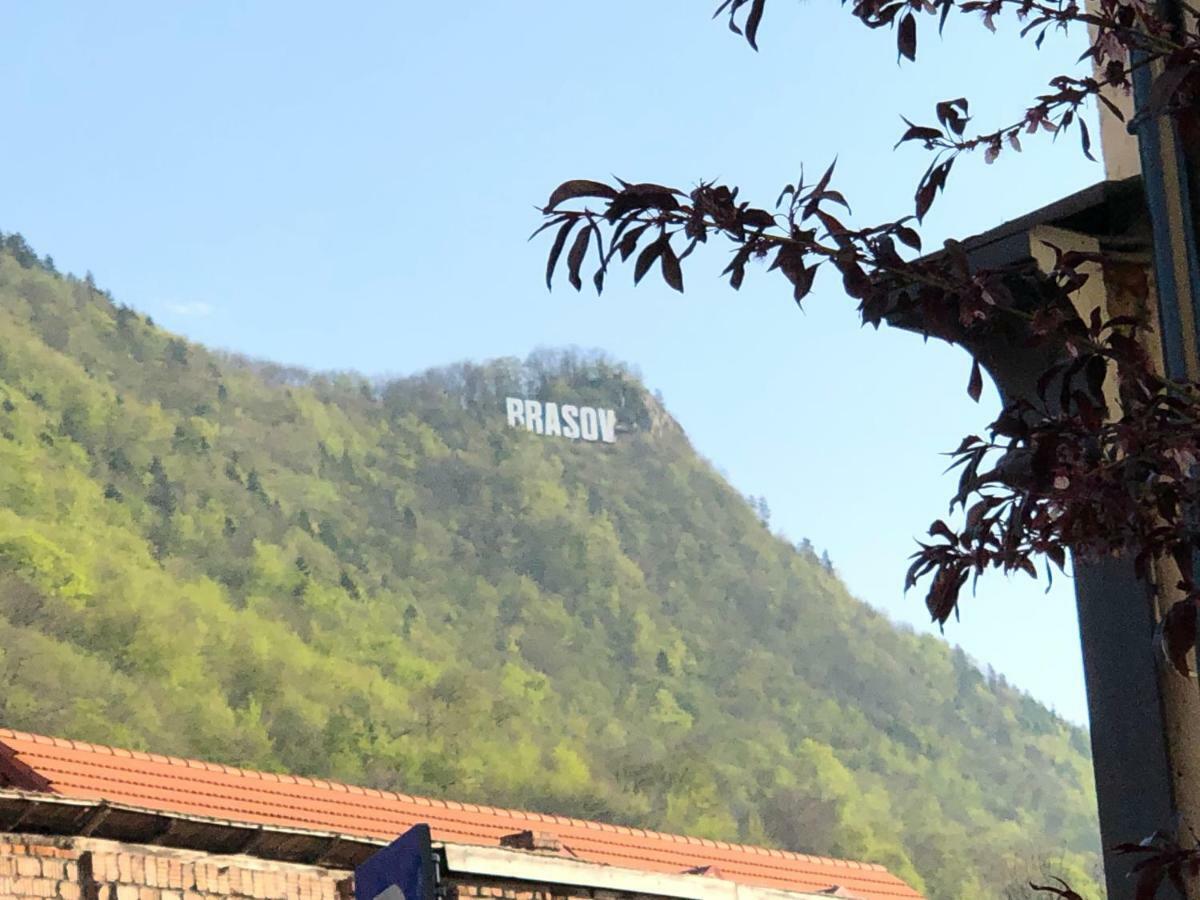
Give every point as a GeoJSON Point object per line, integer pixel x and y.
{"type": "Point", "coordinates": [170, 784]}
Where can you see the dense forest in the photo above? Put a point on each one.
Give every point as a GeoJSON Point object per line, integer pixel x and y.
{"type": "Point", "coordinates": [380, 582]}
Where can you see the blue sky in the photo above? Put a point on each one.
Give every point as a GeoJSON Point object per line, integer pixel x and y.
{"type": "Point", "coordinates": [350, 186]}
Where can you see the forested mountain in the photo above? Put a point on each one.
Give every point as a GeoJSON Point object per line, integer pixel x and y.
{"type": "Point", "coordinates": [382, 583]}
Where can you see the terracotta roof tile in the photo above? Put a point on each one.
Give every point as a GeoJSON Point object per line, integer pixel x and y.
{"type": "Point", "coordinates": [171, 784]}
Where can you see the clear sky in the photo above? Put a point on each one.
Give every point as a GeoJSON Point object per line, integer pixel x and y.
{"type": "Point", "coordinates": [351, 186]}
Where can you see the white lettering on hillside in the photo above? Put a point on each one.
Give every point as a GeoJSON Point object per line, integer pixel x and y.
{"type": "Point", "coordinates": [574, 422]}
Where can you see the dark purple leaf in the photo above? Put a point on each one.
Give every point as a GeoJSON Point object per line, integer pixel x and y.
{"type": "Point", "coordinates": [570, 190]}
{"type": "Point", "coordinates": [1086, 139]}
{"type": "Point", "coordinates": [817, 192]}
{"type": "Point", "coordinates": [671, 271]}
{"type": "Point", "coordinates": [556, 249]}
{"type": "Point", "coordinates": [836, 197]}
{"type": "Point", "coordinates": [947, 5]}
{"type": "Point", "coordinates": [575, 258]}
{"type": "Point", "coordinates": [941, 529]}
{"type": "Point", "coordinates": [925, 194]}
{"type": "Point", "coordinates": [952, 114]}
{"type": "Point", "coordinates": [919, 133]}
{"type": "Point", "coordinates": [975, 385]}
{"type": "Point", "coordinates": [753, 21]}
{"type": "Point", "coordinates": [1064, 893]}
{"type": "Point", "coordinates": [630, 240]}
{"type": "Point", "coordinates": [908, 237]}
{"type": "Point", "coordinates": [757, 218]}
{"type": "Point", "coordinates": [906, 37]}
{"type": "Point", "coordinates": [647, 257]}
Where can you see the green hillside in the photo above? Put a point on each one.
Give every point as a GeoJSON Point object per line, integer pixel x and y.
{"type": "Point", "coordinates": [383, 584]}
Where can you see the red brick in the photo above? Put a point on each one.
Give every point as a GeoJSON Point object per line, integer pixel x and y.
{"type": "Point", "coordinates": [68, 890]}
{"type": "Point", "coordinates": [148, 893]}
{"type": "Point", "coordinates": [175, 873]}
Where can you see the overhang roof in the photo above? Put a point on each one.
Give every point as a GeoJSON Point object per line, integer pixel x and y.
{"type": "Point", "coordinates": [85, 771]}
{"type": "Point", "coordinates": [1105, 209]}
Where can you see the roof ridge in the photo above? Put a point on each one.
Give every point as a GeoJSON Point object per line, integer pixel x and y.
{"type": "Point", "coordinates": [528, 815]}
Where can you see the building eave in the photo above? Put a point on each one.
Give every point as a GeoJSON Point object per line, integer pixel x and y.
{"type": "Point", "coordinates": [52, 814]}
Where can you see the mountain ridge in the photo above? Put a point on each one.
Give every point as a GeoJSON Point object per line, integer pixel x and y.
{"type": "Point", "coordinates": [383, 583]}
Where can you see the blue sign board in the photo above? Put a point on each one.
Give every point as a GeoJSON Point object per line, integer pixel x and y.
{"type": "Point", "coordinates": [403, 870]}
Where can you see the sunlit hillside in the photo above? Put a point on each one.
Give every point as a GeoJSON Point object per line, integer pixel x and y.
{"type": "Point", "coordinates": [384, 583]}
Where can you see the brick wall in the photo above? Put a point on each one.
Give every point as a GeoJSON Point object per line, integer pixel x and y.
{"type": "Point", "coordinates": [33, 867]}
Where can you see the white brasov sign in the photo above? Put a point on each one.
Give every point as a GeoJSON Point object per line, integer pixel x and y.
{"type": "Point", "coordinates": [580, 423]}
